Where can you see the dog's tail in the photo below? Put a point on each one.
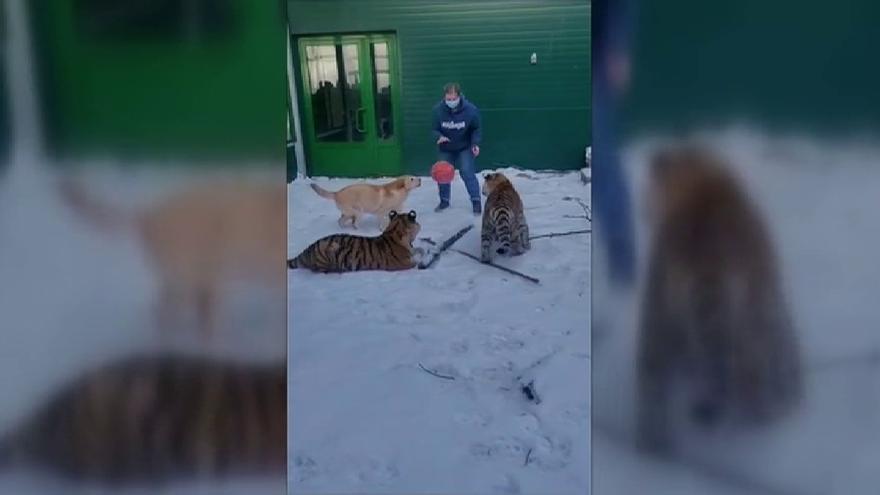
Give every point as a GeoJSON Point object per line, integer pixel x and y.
{"type": "Point", "coordinates": [323, 192]}
{"type": "Point", "coordinates": [98, 213]}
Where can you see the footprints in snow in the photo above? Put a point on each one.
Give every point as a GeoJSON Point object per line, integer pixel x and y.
{"type": "Point", "coordinates": [528, 447]}
{"type": "Point", "coordinates": [360, 472]}
{"type": "Point", "coordinates": [509, 484]}
{"type": "Point", "coordinates": [494, 344]}
{"type": "Point", "coordinates": [459, 346]}
{"type": "Point", "coordinates": [376, 473]}
{"type": "Point", "coordinates": [472, 419]}
{"type": "Point", "coordinates": [501, 343]}
{"type": "Point", "coordinates": [304, 468]}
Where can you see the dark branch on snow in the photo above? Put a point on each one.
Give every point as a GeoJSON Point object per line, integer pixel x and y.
{"type": "Point", "coordinates": [446, 245]}
{"type": "Point", "coordinates": [560, 234]}
{"type": "Point", "coordinates": [502, 268]}
{"type": "Point", "coordinates": [438, 375]}
{"type": "Point", "coordinates": [531, 394]}
{"type": "Point", "coordinates": [587, 212]}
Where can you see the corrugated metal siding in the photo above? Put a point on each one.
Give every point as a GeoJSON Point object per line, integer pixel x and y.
{"type": "Point", "coordinates": [535, 116]}
{"type": "Point", "coordinates": [163, 97]}
{"type": "Point", "coordinates": [804, 64]}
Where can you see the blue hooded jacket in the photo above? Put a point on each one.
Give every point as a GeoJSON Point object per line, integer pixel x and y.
{"type": "Point", "coordinates": [613, 30]}
{"type": "Point", "coordinates": [461, 125]}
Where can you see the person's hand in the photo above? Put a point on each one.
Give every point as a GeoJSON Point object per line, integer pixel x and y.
{"type": "Point", "coordinates": [476, 150]}
{"type": "Point", "coordinates": [443, 139]}
{"type": "Point", "coordinates": [619, 71]}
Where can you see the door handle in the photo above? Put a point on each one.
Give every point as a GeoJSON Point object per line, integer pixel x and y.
{"type": "Point", "coordinates": [357, 120]}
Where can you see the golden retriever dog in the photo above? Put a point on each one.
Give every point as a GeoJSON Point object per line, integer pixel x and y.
{"type": "Point", "coordinates": [379, 200]}
{"type": "Point", "coordinates": [200, 237]}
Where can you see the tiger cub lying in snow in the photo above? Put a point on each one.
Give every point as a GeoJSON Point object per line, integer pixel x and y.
{"type": "Point", "coordinates": [392, 250]}
{"type": "Point", "coordinates": [505, 230]}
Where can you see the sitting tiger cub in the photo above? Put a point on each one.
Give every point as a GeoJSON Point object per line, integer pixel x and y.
{"type": "Point", "coordinates": [392, 250]}
{"type": "Point", "coordinates": [504, 223]}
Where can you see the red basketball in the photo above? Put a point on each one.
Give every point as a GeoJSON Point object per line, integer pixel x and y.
{"type": "Point", "coordinates": [443, 172]}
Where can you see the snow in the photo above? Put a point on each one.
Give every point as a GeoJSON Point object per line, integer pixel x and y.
{"type": "Point", "coordinates": [365, 418]}
{"type": "Point", "coordinates": [819, 199]}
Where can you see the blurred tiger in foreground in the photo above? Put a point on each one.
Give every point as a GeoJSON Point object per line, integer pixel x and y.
{"type": "Point", "coordinates": [392, 250]}
{"type": "Point", "coordinates": [505, 230]}
{"type": "Point", "coordinates": [713, 317]}
{"type": "Point", "coordinates": [154, 419]}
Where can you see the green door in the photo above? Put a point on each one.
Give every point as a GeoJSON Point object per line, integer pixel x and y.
{"type": "Point", "coordinates": [351, 111]}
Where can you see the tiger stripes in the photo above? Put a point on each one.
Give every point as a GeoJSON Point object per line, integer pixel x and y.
{"type": "Point", "coordinates": [392, 250]}
{"type": "Point", "coordinates": [505, 231]}
{"type": "Point", "coordinates": [153, 419]}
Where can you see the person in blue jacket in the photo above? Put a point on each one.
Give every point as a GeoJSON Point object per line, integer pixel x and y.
{"type": "Point", "coordinates": [613, 22]}
{"type": "Point", "coordinates": [456, 130]}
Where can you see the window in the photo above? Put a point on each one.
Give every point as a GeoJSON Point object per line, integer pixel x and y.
{"type": "Point", "coordinates": [334, 84]}
{"type": "Point", "coordinates": [382, 84]}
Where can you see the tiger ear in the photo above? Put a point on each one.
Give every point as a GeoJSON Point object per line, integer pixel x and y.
{"type": "Point", "coordinates": [412, 214]}
{"type": "Point", "coordinates": [392, 214]}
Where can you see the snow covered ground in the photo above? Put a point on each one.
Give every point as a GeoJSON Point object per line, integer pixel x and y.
{"type": "Point", "coordinates": [820, 200]}
{"type": "Point", "coordinates": [365, 418]}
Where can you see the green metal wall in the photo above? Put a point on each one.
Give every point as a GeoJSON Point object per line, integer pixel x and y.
{"type": "Point", "coordinates": [802, 64]}
{"type": "Point", "coordinates": [534, 116]}
{"type": "Point", "coordinates": [164, 97]}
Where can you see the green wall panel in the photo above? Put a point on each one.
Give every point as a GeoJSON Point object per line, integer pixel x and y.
{"type": "Point", "coordinates": [535, 116]}
{"type": "Point", "coordinates": [807, 65]}
{"type": "Point", "coordinates": [153, 97]}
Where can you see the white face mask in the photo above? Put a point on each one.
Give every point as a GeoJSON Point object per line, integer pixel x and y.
{"type": "Point", "coordinates": [453, 103]}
